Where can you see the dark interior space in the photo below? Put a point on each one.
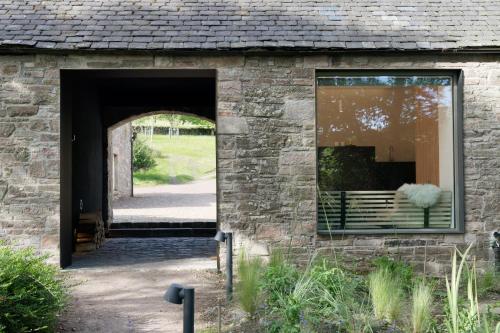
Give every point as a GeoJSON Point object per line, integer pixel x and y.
{"type": "Point", "coordinates": [94, 100]}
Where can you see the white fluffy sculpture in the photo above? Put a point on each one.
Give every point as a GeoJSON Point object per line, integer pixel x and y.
{"type": "Point", "coordinates": [421, 195]}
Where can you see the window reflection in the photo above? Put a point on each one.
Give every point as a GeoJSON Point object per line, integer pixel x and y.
{"type": "Point", "coordinates": [377, 133]}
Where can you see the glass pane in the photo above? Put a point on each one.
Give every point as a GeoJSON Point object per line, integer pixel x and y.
{"type": "Point", "coordinates": [385, 152]}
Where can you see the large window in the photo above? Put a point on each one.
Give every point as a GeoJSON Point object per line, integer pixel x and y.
{"type": "Point", "coordinates": [387, 152]}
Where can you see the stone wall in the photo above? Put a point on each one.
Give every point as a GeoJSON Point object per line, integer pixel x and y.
{"type": "Point", "coordinates": [119, 165]}
{"type": "Point", "coordinates": [266, 149]}
{"type": "Point", "coordinates": [119, 161]}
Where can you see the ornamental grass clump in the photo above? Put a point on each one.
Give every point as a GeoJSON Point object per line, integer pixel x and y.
{"type": "Point", "coordinates": [386, 294]}
{"type": "Point", "coordinates": [421, 308]}
{"type": "Point", "coordinates": [31, 292]}
{"type": "Point", "coordinates": [247, 288]}
{"type": "Point", "coordinates": [398, 269]}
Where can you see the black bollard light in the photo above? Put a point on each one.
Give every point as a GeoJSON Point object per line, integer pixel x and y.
{"type": "Point", "coordinates": [227, 237]}
{"type": "Point", "coordinates": [178, 294]}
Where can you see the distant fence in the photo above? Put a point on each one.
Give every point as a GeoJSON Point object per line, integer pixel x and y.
{"type": "Point", "coordinates": [175, 131]}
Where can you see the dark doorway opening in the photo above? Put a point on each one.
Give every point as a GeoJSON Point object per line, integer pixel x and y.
{"type": "Point", "coordinates": [93, 101]}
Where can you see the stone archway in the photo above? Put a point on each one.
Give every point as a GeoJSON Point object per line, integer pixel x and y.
{"type": "Point", "coordinates": [187, 204]}
{"type": "Point", "coordinates": [93, 101]}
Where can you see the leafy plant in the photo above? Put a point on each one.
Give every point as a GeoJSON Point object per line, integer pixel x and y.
{"type": "Point", "coordinates": [31, 293]}
{"type": "Point", "coordinates": [249, 271]}
{"type": "Point", "coordinates": [323, 297]}
{"type": "Point", "coordinates": [386, 293]}
{"type": "Point", "coordinates": [341, 298]}
{"type": "Point", "coordinates": [290, 312]}
{"type": "Point", "coordinates": [143, 156]}
{"type": "Point", "coordinates": [279, 285]}
{"type": "Point", "coordinates": [279, 278]}
{"type": "Point", "coordinates": [421, 309]}
{"type": "Point", "coordinates": [487, 323]}
{"type": "Point", "coordinates": [487, 282]}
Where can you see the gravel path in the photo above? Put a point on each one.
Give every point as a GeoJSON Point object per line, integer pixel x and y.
{"type": "Point", "coordinates": [119, 288]}
{"type": "Point", "coordinates": [191, 202]}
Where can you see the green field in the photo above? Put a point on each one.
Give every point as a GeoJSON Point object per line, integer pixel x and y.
{"type": "Point", "coordinates": [179, 159]}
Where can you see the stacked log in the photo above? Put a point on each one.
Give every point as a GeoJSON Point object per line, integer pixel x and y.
{"type": "Point", "coordinates": [89, 232]}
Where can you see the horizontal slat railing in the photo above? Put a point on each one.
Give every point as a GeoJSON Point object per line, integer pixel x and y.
{"type": "Point", "coordinates": [339, 210]}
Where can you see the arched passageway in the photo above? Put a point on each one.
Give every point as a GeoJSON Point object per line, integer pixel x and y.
{"type": "Point", "coordinates": [92, 101]}
{"type": "Point", "coordinates": [161, 176]}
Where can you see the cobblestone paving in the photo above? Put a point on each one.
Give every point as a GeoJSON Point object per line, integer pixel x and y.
{"type": "Point", "coordinates": [191, 202]}
{"type": "Point", "coordinates": [119, 288]}
{"type": "Point", "coordinates": [131, 251]}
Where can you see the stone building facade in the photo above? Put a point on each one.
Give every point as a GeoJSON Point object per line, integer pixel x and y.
{"type": "Point", "coordinates": [266, 148]}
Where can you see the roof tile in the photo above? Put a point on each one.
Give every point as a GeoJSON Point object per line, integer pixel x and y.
{"type": "Point", "coordinates": [217, 24]}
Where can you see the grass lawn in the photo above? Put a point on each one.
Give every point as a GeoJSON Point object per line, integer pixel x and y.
{"type": "Point", "coordinates": [179, 159]}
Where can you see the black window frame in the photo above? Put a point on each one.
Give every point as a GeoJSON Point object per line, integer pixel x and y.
{"type": "Point", "coordinates": [457, 76]}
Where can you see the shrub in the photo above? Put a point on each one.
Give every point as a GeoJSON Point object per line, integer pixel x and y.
{"type": "Point", "coordinates": [281, 286]}
{"type": "Point", "coordinates": [143, 156]}
{"type": "Point", "coordinates": [341, 298]}
{"type": "Point", "coordinates": [291, 315]}
{"type": "Point", "coordinates": [324, 297]}
{"type": "Point", "coordinates": [278, 279]}
{"type": "Point", "coordinates": [421, 309]}
{"type": "Point", "coordinates": [31, 293]}
{"type": "Point", "coordinates": [386, 293]}
{"type": "Point", "coordinates": [249, 270]}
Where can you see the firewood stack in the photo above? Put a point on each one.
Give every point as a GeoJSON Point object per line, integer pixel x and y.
{"type": "Point", "coordinates": [89, 232]}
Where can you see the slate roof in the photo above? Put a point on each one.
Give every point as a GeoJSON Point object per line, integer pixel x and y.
{"type": "Point", "coordinates": [247, 24]}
